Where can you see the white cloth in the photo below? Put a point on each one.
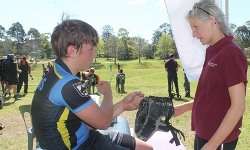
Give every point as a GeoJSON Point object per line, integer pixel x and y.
{"type": "Point", "coordinates": [190, 50]}
{"type": "Point", "coordinates": [160, 141]}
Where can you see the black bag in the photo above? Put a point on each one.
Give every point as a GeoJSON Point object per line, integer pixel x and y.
{"type": "Point", "coordinates": [149, 118]}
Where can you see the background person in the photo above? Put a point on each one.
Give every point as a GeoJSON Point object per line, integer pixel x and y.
{"type": "Point", "coordinates": [62, 111]}
{"type": "Point", "coordinates": [220, 96]}
{"type": "Point", "coordinates": [120, 81]}
{"type": "Point", "coordinates": [186, 85]}
{"type": "Point", "coordinates": [45, 70]}
{"type": "Point", "coordinates": [171, 66]}
{"type": "Point", "coordinates": [11, 76]}
{"type": "Point", "coordinates": [24, 68]}
{"type": "Point", "coordinates": [49, 66]}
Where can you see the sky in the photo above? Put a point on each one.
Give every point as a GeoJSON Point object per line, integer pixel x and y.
{"type": "Point", "coordinates": [139, 17]}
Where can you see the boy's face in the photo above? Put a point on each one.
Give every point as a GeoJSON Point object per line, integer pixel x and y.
{"type": "Point", "coordinates": [86, 55]}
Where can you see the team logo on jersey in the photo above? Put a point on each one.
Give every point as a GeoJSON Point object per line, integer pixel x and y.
{"type": "Point", "coordinates": [81, 88]}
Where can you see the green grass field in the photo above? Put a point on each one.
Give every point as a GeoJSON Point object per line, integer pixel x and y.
{"type": "Point", "coordinates": [148, 77]}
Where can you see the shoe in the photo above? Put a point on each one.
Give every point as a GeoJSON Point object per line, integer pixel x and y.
{"type": "Point", "coordinates": [4, 95]}
{"type": "Point", "coordinates": [187, 95]}
{"type": "Point", "coordinates": [17, 98]}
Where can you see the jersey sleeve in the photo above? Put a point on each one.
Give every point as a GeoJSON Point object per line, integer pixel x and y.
{"type": "Point", "coordinates": [73, 95]}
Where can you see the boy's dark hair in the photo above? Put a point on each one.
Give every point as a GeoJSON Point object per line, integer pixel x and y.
{"type": "Point", "coordinates": [72, 32]}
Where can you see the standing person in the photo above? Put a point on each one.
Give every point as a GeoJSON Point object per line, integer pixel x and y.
{"type": "Point", "coordinates": [49, 66]}
{"type": "Point", "coordinates": [219, 102]}
{"type": "Point", "coordinates": [24, 68]}
{"type": "Point", "coordinates": [120, 81]}
{"type": "Point", "coordinates": [2, 75]}
{"type": "Point", "coordinates": [171, 66]}
{"type": "Point", "coordinates": [45, 71]}
{"type": "Point", "coordinates": [110, 67]}
{"type": "Point", "coordinates": [11, 76]}
{"type": "Point", "coordinates": [186, 85]}
{"type": "Point", "coordinates": [64, 116]}
{"type": "Point", "coordinates": [118, 67]}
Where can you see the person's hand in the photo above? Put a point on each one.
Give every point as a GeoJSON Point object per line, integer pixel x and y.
{"type": "Point", "coordinates": [104, 87]}
{"type": "Point", "coordinates": [179, 110]}
{"type": "Point", "coordinates": [132, 101]}
{"type": "Point", "coordinates": [207, 147]}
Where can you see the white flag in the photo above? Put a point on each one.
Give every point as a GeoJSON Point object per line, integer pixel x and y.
{"type": "Point", "coordinates": [190, 50]}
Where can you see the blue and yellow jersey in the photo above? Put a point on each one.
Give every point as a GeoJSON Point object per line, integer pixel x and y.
{"type": "Point", "coordinates": [58, 97]}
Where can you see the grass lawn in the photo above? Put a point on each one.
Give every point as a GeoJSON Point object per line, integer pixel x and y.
{"type": "Point", "coordinates": [148, 76]}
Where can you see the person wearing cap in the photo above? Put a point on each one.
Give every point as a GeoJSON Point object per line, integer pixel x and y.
{"type": "Point", "coordinates": [171, 66]}
{"type": "Point", "coordinates": [24, 69]}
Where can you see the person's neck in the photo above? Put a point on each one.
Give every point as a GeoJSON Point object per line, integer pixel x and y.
{"type": "Point", "coordinates": [70, 65]}
{"type": "Point", "coordinates": [217, 38]}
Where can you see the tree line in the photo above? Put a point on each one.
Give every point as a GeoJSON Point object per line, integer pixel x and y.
{"type": "Point", "coordinates": [119, 46]}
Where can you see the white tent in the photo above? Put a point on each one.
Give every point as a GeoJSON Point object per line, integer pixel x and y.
{"type": "Point", "coordinates": [190, 50]}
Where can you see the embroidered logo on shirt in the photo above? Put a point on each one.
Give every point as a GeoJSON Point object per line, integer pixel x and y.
{"type": "Point", "coordinates": [211, 64]}
{"type": "Point", "coordinates": [81, 88]}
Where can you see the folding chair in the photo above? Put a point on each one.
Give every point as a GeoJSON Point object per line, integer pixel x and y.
{"type": "Point", "coordinates": [25, 109]}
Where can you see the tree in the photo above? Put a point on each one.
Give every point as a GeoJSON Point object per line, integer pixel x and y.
{"type": "Point", "coordinates": [107, 32]}
{"type": "Point", "coordinates": [2, 32]}
{"type": "Point", "coordinates": [7, 47]}
{"type": "Point", "coordinates": [47, 51]}
{"type": "Point", "coordinates": [123, 35]}
{"type": "Point", "coordinates": [33, 34]}
{"type": "Point", "coordinates": [164, 28]}
{"type": "Point", "coordinates": [33, 41]}
{"type": "Point", "coordinates": [17, 34]}
{"type": "Point", "coordinates": [140, 44]}
{"type": "Point", "coordinates": [110, 47]}
{"type": "Point", "coordinates": [165, 46]}
{"type": "Point", "coordinates": [243, 36]}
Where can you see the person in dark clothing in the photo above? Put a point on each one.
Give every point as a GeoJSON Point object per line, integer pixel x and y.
{"type": "Point", "coordinates": [118, 67]}
{"type": "Point", "coordinates": [93, 79]}
{"type": "Point", "coordinates": [49, 66]}
{"type": "Point", "coordinates": [186, 86]}
{"type": "Point", "coordinates": [171, 66]}
{"type": "Point", "coordinates": [24, 69]}
{"type": "Point", "coordinates": [11, 76]}
{"type": "Point", "coordinates": [2, 74]}
{"type": "Point", "coordinates": [120, 81]}
{"type": "Point", "coordinates": [45, 71]}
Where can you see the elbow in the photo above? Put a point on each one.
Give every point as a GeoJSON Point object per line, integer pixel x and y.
{"type": "Point", "coordinates": [106, 122]}
{"type": "Point", "coordinates": [105, 125]}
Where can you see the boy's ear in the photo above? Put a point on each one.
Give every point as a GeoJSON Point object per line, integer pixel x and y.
{"type": "Point", "coordinates": [71, 50]}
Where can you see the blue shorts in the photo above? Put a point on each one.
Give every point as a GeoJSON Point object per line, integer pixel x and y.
{"type": "Point", "coordinates": [108, 141]}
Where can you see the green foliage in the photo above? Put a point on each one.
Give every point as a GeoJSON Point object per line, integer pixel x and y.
{"type": "Point", "coordinates": [165, 46]}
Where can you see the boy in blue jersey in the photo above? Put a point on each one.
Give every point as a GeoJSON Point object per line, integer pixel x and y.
{"type": "Point", "coordinates": [64, 116]}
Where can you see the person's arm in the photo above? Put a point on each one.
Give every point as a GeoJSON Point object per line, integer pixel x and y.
{"type": "Point", "coordinates": [180, 109]}
{"type": "Point", "coordinates": [99, 117]}
{"type": "Point", "coordinates": [29, 70]}
{"type": "Point", "coordinates": [128, 103]}
{"type": "Point", "coordinates": [235, 112]}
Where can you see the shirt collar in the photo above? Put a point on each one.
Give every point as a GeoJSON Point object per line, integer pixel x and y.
{"type": "Point", "coordinates": [220, 43]}
{"type": "Point", "coordinates": [63, 65]}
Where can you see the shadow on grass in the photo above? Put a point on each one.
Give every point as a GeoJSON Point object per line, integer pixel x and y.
{"type": "Point", "coordinates": [183, 99]}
